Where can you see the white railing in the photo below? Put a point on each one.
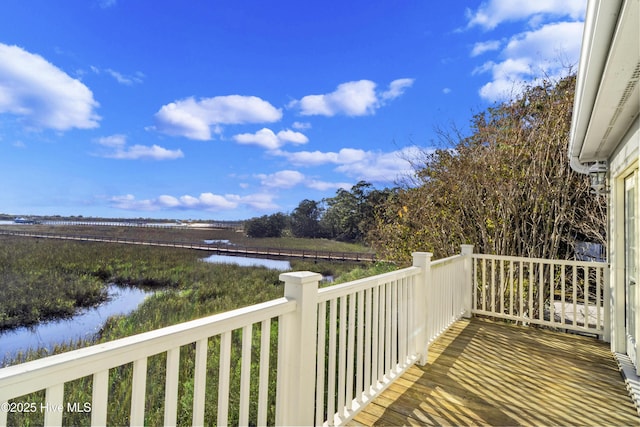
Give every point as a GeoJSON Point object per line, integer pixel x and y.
{"type": "Point", "coordinates": [570, 295]}
{"type": "Point", "coordinates": [350, 341]}
{"type": "Point", "coordinates": [53, 373]}
{"type": "Point", "coordinates": [363, 341]}
{"type": "Point", "coordinates": [369, 331]}
{"type": "Point", "coordinates": [448, 296]}
{"type": "Point", "coordinates": [315, 356]}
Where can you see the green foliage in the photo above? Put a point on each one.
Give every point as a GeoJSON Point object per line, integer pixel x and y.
{"type": "Point", "coordinates": [305, 219]}
{"type": "Point", "coordinates": [507, 188]}
{"type": "Point", "coordinates": [40, 280]}
{"type": "Point", "coordinates": [267, 225]}
{"type": "Point", "coordinates": [347, 216]}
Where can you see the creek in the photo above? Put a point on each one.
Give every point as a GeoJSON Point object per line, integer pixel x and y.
{"type": "Point", "coordinates": [84, 325]}
{"type": "Point", "coordinates": [88, 322]}
{"type": "Point", "coordinates": [249, 262]}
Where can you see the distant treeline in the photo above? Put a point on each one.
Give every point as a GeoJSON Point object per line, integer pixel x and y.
{"type": "Point", "coordinates": [348, 216]}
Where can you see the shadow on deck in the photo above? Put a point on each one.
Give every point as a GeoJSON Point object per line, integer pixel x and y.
{"type": "Point", "coordinates": [486, 373]}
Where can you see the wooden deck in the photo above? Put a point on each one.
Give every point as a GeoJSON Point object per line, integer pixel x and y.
{"type": "Point", "coordinates": [486, 373]}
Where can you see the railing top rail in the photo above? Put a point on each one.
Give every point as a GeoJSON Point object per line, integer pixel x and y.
{"type": "Point", "coordinates": [38, 374]}
{"type": "Point", "coordinates": [447, 260]}
{"type": "Point", "coordinates": [541, 260]}
{"type": "Point", "coordinates": [326, 294]}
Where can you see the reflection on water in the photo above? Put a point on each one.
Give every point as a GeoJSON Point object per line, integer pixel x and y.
{"type": "Point", "coordinates": [249, 262]}
{"type": "Point", "coordinates": [81, 326]}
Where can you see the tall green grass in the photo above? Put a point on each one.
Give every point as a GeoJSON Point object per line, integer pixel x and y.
{"type": "Point", "coordinates": [33, 271]}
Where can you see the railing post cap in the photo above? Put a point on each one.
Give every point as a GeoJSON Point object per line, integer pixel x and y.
{"type": "Point", "coordinates": [300, 277]}
{"type": "Point", "coordinates": [422, 254]}
{"type": "Point", "coordinates": [466, 249]}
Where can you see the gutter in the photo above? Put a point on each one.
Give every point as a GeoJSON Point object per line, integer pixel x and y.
{"type": "Point", "coordinates": [599, 26]}
{"type": "Point", "coordinates": [578, 166]}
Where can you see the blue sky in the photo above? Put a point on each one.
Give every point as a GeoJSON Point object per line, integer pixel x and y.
{"type": "Point", "coordinates": [239, 108]}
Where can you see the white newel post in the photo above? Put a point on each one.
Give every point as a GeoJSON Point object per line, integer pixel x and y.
{"type": "Point", "coordinates": [467, 251]}
{"type": "Point", "coordinates": [422, 260]}
{"type": "Point", "coordinates": [297, 332]}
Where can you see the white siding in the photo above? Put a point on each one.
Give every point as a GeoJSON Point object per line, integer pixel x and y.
{"type": "Point", "coordinates": [622, 163]}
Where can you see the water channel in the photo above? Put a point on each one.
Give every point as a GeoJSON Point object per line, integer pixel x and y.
{"type": "Point", "coordinates": [243, 261]}
{"type": "Point", "coordinates": [123, 300]}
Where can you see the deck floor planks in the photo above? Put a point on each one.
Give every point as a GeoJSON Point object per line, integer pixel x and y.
{"type": "Point", "coordinates": [488, 373]}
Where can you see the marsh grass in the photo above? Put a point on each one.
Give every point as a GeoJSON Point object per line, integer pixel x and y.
{"type": "Point", "coordinates": [186, 234]}
{"type": "Point", "coordinates": [34, 272]}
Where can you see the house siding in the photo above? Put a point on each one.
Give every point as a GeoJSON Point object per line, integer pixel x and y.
{"type": "Point", "coordinates": [622, 164]}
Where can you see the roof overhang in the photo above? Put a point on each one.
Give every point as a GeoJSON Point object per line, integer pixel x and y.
{"type": "Point", "coordinates": [607, 98]}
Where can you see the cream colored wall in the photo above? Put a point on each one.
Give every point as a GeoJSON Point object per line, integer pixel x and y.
{"type": "Point", "coordinates": [622, 164]}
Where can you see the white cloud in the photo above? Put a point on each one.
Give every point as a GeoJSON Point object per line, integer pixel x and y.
{"type": "Point", "coordinates": [43, 95]}
{"type": "Point", "coordinates": [352, 99]}
{"type": "Point", "coordinates": [324, 185]}
{"type": "Point", "coordinates": [397, 88]}
{"type": "Point", "coordinates": [189, 201]}
{"type": "Point", "coordinates": [301, 125]}
{"type": "Point", "coordinates": [359, 164]}
{"type": "Point", "coordinates": [282, 179]}
{"type": "Point", "coordinates": [268, 139]}
{"type": "Point", "coordinates": [446, 90]}
{"type": "Point", "coordinates": [486, 67]}
{"type": "Point", "coordinates": [482, 47]}
{"type": "Point", "coordinates": [288, 135]}
{"type": "Point", "coordinates": [168, 201]}
{"type": "Point", "coordinates": [112, 141]}
{"type": "Point", "coordinates": [492, 13]}
{"type": "Point", "coordinates": [128, 80]}
{"type": "Point", "coordinates": [118, 149]}
{"type": "Point", "coordinates": [206, 201]}
{"type": "Point", "coordinates": [382, 167]}
{"type": "Point", "coordinates": [264, 138]}
{"type": "Point", "coordinates": [129, 202]}
{"type": "Point", "coordinates": [259, 201]}
{"type": "Point", "coordinates": [528, 56]}
{"type": "Point", "coordinates": [212, 201]}
{"type": "Point", "coordinates": [314, 158]}
{"type": "Point", "coordinates": [351, 155]}
{"type": "Point", "coordinates": [290, 178]}
{"type": "Point", "coordinates": [356, 98]}
{"type": "Point", "coordinates": [308, 158]}
{"type": "Point", "coordinates": [193, 118]}
{"type": "Point", "coordinates": [547, 42]}
{"type": "Point", "coordinates": [154, 152]}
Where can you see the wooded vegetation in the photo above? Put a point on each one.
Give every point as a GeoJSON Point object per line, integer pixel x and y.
{"type": "Point", "coordinates": [507, 188]}
{"type": "Point", "coordinates": [346, 217]}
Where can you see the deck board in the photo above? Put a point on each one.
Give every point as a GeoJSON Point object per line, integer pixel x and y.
{"type": "Point", "coordinates": [485, 373]}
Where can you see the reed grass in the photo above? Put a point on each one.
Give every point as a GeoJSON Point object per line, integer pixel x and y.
{"type": "Point", "coordinates": [33, 272]}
